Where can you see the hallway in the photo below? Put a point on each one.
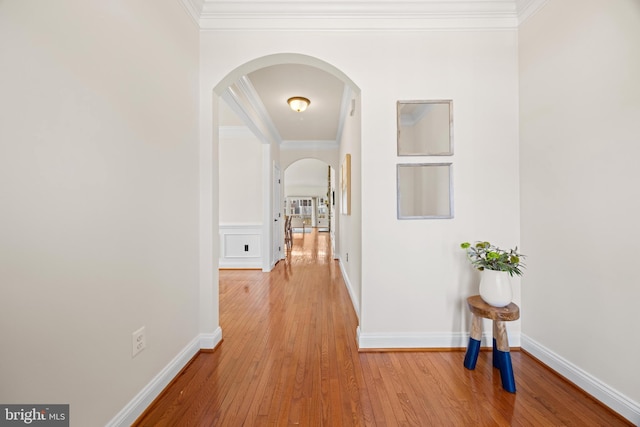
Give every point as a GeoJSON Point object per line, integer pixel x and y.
{"type": "Point", "coordinates": [289, 357]}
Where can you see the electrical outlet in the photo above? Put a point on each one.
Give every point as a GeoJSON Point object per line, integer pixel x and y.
{"type": "Point", "coordinates": [139, 341]}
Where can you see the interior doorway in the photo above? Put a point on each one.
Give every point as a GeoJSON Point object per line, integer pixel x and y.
{"type": "Point", "coordinates": [308, 190]}
{"type": "Point", "coordinates": [276, 155]}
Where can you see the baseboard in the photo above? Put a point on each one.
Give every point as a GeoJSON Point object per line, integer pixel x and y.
{"type": "Point", "coordinates": [593, 386]}
{"type": "Point", "coordinates": [347, 282]}
{"type": "Point", "coordinates": [210, 341]}
{"type": "Point", "coordinates": [143, 399]}
{"type": "Point", "coordinates": [426, 340]}
{"type": "Point", "coordinates": [240, 264]}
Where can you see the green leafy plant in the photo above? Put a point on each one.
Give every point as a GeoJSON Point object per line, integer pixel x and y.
{"type": "Point", "coordinates": [484, 255]}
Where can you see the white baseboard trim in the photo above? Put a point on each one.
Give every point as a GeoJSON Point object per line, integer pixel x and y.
{"type": "Point", "coordinates": [210, 341]}
{"type": "Point", "coordinates": [347, 282]}
{"type": "Point", "coordinates": [422, 340]}
{"type": "Point", "coordinates": [143, 399]}
{"type": "Point", "coordinates": [240, 264]}
{"type": "Point", "coordinates": [596, 388]}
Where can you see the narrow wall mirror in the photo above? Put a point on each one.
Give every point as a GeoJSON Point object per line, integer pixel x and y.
{"type": "Point", "coordinates": [425, 191]}
{"type": "Point", "coordinates": [425, 128]}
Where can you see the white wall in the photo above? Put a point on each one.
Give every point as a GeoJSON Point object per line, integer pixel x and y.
{"type": "Point", "coordinates": [288, 157]}
{"type": "Point", "coordinates": [240, 159]}
{"type": "Point", "coordinates": [579, 128]}
{"type": "Point", "coordinates": [274, 240]}
{"type": "Point", "coordinates": [414, 275]}
{"type": "Point", "coordinates": [241, 202]}
{"type": "Point", "coordinates": [349, 227]}
{"type": "Point", "coordinates": [99, 184]}
{"type": "Point", "coordinates": [307, 177]}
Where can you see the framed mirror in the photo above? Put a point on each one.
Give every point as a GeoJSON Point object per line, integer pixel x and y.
{"type": "Point", "coordinates": [425, 128]}
{"type": "Point", "coordinates": [425, 191]}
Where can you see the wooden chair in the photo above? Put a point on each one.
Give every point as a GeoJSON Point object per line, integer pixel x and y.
{"type": "Point", "coordinates": [288, 234]}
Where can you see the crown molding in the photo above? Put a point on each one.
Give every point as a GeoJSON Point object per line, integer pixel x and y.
{"type": "Point", "coordinates": [360, 15]}
{"type": "Point", "coordinates": [293, 15]}
{"type": "Point", "coordinates": [193, 9]}
{"type": "Point", "coordinates": [255, 103]}
{"type": "Point", "coordinates": [243, 99]}
{"type": "Point", "coordinates": [243, 132]}
{"type": "Point", "coordinates": [528, 8]}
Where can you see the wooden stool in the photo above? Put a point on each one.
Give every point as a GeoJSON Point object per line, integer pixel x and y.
{"type": "Point", "coordinates": [501, 355]}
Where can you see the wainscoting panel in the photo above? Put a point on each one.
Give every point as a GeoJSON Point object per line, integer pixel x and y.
{"type": "Point", "coordinates": [240, 246]}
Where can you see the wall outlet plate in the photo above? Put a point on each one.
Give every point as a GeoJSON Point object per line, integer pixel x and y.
{"type": "Point", "coordinates": [139, 341]}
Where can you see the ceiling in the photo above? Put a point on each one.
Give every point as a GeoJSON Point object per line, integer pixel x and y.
{"type": "Point", "coordinates": [259, 100]}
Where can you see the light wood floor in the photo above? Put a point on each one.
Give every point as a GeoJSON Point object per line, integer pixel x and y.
{"type": "Point", "coordinates": [289, 357]}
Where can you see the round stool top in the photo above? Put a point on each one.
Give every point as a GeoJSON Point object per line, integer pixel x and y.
{"type": "Point", "coordinates": [480, 308]}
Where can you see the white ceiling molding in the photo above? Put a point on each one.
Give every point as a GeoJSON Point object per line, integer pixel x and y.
{"type": "Point", "coordinates": [294, 15]}
{"type": "Point", "coordinates": [251, 95]}
{"type": "Point", "coordinates": [193, 9]}
{"type": "Point", "coordinates": [244, 132]}
{"type": "Point", "coordinates": [245, 102]}
{"type": "Point", "coordinates": [528, 8]}
{"type": "Point", "coordinates": [230, 96]}
{"type": "Point", "coordinates": [358, 15]}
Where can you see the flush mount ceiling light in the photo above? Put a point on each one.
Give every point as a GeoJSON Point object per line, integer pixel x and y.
{"type": "Point", "coordinates": [298, 103]}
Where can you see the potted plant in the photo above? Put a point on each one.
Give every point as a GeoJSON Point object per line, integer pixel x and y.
{"type": "Point", "coordinates": [495, 264]}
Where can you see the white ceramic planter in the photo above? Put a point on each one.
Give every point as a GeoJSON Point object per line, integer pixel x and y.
{"type": "Point", "coordinates": [495, 288]}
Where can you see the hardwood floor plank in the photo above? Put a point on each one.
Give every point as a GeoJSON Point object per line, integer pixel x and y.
{"type": "Point", "coordinates": [290, 357]}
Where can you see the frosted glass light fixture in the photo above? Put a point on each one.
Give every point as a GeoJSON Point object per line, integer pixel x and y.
{"type": "Point", "coordinates": [298, 103]}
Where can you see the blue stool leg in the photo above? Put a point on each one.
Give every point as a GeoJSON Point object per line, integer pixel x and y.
{"type": "Point", "coordinates": [473, 348]}
{"type": "Point", "coordinates": [506, 371]}
{"type": "Point", "coordinates": [471, 357]}
{"type": "Point", "coordinates": [502, 356]}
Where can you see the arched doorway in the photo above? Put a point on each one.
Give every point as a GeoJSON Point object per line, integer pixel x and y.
{"type": "Point", "coordinates": [274, 159]}
{"type": "Point", "coordinates": [309, 195]}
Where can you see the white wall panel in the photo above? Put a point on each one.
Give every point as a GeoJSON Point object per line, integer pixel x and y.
{"type": "Point", "coordinates": [411, 276]}
{"type": "Point", "coordinates": [240, 173]}
{"type": "Point", "coordinates": [99, 227]}
{"type": "Point", "coordinates": [579, 127]}
{"type": "Point", "coordinates": [241, 246]}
